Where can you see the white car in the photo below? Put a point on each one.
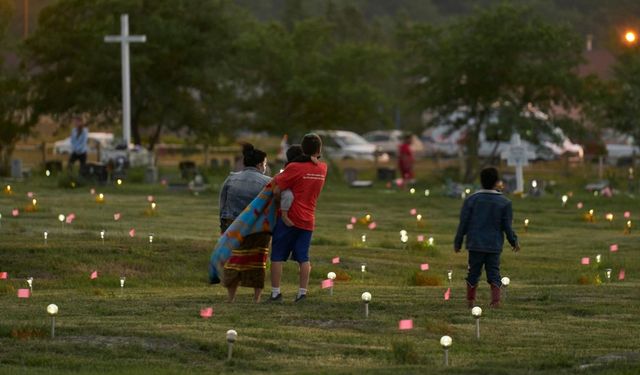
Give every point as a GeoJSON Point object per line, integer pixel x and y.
{"type": "Point", "coordinates": [619, 146]}
{"type": "Point", "coordinates": [389, 140]}
{"type": "Point", "coordinates": [94, 141]}
{"type": "Point", "coordinates": [345, 145]}
{"type": "Point", "coordinates": [446, 141]}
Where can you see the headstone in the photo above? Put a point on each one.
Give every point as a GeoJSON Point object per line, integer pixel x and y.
{"type": "Point", "coordinates": [386, 174]}
{"type": "Point", "coordinates": [96, 172]}
{"type": "Point", "coordinates": [518, 156]}
{"type": "Point", "coordinates": [151, 175]}
{"type": "Point", "coordinates": [16, 168]}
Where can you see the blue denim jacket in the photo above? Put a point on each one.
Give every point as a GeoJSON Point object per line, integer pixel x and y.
{"type": "Point", "coordinates": [239, 189]}
{"type": "Point", "coordinates": [484, 217]}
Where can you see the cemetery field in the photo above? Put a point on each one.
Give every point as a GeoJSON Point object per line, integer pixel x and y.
{"type": "Point", "coordinates": [559, 316]}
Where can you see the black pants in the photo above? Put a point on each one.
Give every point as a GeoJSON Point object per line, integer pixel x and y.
{"type": "Point", "coordinates": [80, 157]}
{"type": "Point", "coordinates": [491, 263]}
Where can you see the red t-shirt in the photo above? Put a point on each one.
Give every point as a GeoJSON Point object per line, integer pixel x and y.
{"type": "Point", "coordinates": [305, 180]}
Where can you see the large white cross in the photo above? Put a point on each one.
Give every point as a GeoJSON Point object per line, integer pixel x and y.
{"type": "Point", "coordinates": [518, 156]}
{"type": "Point", "coordinates": [124, 39]}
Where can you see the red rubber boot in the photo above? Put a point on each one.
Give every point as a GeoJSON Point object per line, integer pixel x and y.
{"type": "Point", "coordinates": [471, 295]}
{"type": "Point", "coordinates": [495, 296]}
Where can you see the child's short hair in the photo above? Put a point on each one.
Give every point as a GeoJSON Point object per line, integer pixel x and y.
{"type": "Point", "coordinates": [489, 177]}
{"type": "Point", "coordinates": [293, 152]}
{"type": "Point", "coordinates": [311, 144]}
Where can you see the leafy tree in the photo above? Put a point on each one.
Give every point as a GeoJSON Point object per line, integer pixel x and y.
{"type": "Point", "coordinates": [492, 69]}
{"type": "Point", "coordinates": [15, 115]}
{"type": "Point", "coordinates": [306, 79]}
{"type": "Point", "coordinates": [618, 105]}
{"type": "Point", "coordinates": [187, 51]}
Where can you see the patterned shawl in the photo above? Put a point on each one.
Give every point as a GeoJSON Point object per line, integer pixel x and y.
{"type": "Point", "coordinates": [258, 217]}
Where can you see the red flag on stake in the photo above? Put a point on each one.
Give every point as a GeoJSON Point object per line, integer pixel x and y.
{"type": "Point", "coordinates": [405, 324]}
{"type": "Point", "coordinates": [24, 293]}
{"type": "Point", "coordinates": [585, 261]}
{"type": "Point", "coordinates": [621, 274]}
{"type": "Point", "coordinates": [335, 260]}
{"type": "Point", "coordinates": [132, 233]}
{"type": "Point", "coordinates": [3, 275]}
{"type": "Point", "coordinates": [207, 312]}
{"type": "Point", "coordinates": [328, 283]}
{"type": "Point", "coordinates": [613, 248]}
{"type": "Point", "coordinates": [94, 275]}
{"type": "Point", "coordinates": [116, 216]}
{"type": "Point", "coordinates": [424, 266]}
{"type": "Point", "coordinates": [447, 294]}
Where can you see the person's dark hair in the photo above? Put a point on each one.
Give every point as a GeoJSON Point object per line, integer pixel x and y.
{"type": "Point", "coordinates": [489, 177]}
{"type": "Point", "coordinates": [293, 152]}
{"type": "Point", "coordinates": [311, 144]}
{"type": "Point", "coordinates": [252, 156]}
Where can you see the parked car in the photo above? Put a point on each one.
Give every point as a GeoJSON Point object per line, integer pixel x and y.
{"type": "Point", "coordinates": [446, 141]}
{"type": "Point", "coordinates": [389, 140]}
{"type": "Point", "coordinates": [344, 145]}
{"type": "Point", "coordinates": [95, 140]}
{"type": "Point", "coordinates": [621, 148]}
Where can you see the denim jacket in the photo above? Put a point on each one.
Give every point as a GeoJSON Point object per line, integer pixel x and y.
{"type": "Point", "coordinates": [239, 189]}
{"type": "Point", "coordinates": [484, 217]}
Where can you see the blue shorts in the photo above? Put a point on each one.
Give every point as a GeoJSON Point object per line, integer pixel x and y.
{"type": "Point", "coordinates": [290, 241]}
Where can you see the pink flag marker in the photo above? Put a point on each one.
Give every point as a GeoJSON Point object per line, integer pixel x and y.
{"type": "Point", "coordinates": [413, 212]}
{"type": "Point", "coordinates": [420, 238]}
{"type": "Point", "coordinates": [613, 248]}
{"type": "Point", "coordinates": [3, 275]}
{"type": "Point", "coordinates": [335, 260]}
{"type": "Point", "coordinates": [15, 212]}
{"type": "Point", "coordinates": [24, 293]}
{"type": "Point", "coordinates": [150, 198]}
{"type": "Point", "coordinates": [92, 191]}
{"type": "Point", "coordinates": [132, 233]}
{"type": "Point", "coordinates": [447, 294]}
{"type": "Point", "coordinates": [349, 226]}
{"type": "Point", "coordinates": [207, 312]}
{"type": "Point", "coordinates": [405, 324]}
{"type": "Point", "coordinates": [30, 194]}
{"type": "Point", "coordinates": [627, 214]}
{"type": "Point", "coordinates": [621, 274]}
{"type": "Point", "coordinates": [116, 216]}
{"type": "Point", "coordinates": [328, 283]}
{"type": "Point", "coordinates": [70, 218]}
{"type": "Point", "coordinates": [579, 205]}
{"type": "Point", "coordinates": [584, 261]}
{"type": "Point", "coordinates": [353, 220]}
{"type": "Point", "coordinates": [94, 275]}
{"type": "Point", "coordinates": [373, 225]}
{"type": "Point", "coordinates": [424, 267]}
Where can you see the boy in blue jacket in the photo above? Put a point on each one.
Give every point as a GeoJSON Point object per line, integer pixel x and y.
{"type": "Point", "coordinates": [484, 217]}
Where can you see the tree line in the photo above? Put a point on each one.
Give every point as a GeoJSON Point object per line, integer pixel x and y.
{"type": "Point", "coordinates": [210, 68]}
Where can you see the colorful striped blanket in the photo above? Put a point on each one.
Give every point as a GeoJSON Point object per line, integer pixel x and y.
{"type": "Point", "coordinates": [258, 217]}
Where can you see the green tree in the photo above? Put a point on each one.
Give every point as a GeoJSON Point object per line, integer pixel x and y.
{"type": "Point", "coordinates": [493, 68]}
{"type": "Point", "coordinates": [618, 105]}
{"type": "Point", "coordinates": [15, 115]}
{"type": "Point", "coordinates": [306, 79]}
{"type": "Point", "coordinates": [187, 51]}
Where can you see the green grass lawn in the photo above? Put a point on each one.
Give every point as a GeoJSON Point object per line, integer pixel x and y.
{"type": "Point", "coordinates": [555, 318]}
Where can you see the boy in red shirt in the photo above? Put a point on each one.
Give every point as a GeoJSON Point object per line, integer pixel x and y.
{"type": "Point", "coordinates": [305, 180]}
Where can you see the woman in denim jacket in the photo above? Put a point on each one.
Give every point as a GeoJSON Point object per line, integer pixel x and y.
{"type": "Point", "coordinates": [247, 265]}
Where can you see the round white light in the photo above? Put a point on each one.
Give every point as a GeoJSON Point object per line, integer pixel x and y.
{"type": "Point", "coordinates": [476, 311]}
{"type": "Point", "coordinates": [418, 217]}
{"type": "Point", "coordinates": [427, 192]}
{"type": "Point", "coordinates": [403, 232]}
{"type": "Point", "coordinates": [505, 281]}
{"type": "Point", "coordinates": [61, 217]}
{"type": "Point", "coordinates": [366, 296]}
{"type": "Point", "coordinates": [52, 309]}
{"type": "Point", "coordinates": [445, 341]}
{"type": "Point", "coordinates": [363, 268]}
{"type": "Point", "coordinates": [232, 335]}
{"type": "Point", "coordinates": [565, 199]}
{"type": "Point", "coordinates": [412, 191]}
{"type": "Point", "coordinates": [404, 239]}
{"type": "Point", "coordinates": [331, 275]}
